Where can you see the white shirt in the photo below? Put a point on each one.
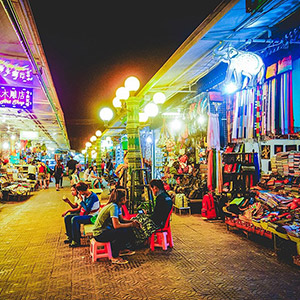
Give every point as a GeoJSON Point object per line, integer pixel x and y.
{"type": "Point", "coordinates": [31, 169]}
{"type": "Point", "coordinates": [86, 175]}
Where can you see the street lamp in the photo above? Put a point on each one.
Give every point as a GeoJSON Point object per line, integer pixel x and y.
{"type": "Point", "coordinates": [132, 84]}
{"type": "Point", "coordinates": [159, 98]}
{"type": "Point", "coordinates": [117, 102]}
{"type": "Point", "coordinates": [151, 110]}
{"type": "Point", "coordinates": [122, 93]}
{"type": "Point", "coordinates": [106, 114]}
{"type": "Point", "coordinates": [98, 145]}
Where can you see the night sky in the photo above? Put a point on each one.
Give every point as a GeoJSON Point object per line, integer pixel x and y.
{"type": "Point", "coordinates": [92, 47]}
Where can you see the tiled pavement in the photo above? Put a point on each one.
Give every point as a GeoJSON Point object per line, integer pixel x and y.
{"type": "Point", "coordinates": [207, 262]}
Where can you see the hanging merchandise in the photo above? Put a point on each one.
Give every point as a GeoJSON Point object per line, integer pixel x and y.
{"type": "Point", "coordinates": [214, 171]}
{"type": "Point", "coordinates": [274, 101]}
{"type": "Point", "coordinates": [243, 114]}
{"type": "Point", "coordinates": [213, 131]}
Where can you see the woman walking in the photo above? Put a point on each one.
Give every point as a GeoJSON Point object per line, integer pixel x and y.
{"type": "Point", "coordinates": [58, 173]}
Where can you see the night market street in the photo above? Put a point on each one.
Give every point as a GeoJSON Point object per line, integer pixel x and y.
{"type": "Point", "coordinates": [206, 262]}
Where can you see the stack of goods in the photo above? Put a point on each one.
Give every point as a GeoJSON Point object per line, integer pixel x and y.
{"type": "Point", "coordinates": [17, 189]}
{"type": "Point", "coordinates": [266, 213]}
{"type": "Point", "coordinates": [297, 164]}
{"type": "Point", "coordinates": [272, 200]}
{"type": "Point", "coordinates": [286, 163]}
{"type": "Point", "coordinates": [281, 163]}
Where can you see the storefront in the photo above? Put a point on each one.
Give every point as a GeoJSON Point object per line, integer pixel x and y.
{"type": "Point", "coordinates": [32, 124]}
{"type": "Point", "coordinates": [238, 143]}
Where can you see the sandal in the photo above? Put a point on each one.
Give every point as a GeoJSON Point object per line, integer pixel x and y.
{"type": "Point", "coordinates": [127, 252]}
{"type": "Point", "coordinates": [119, 261]}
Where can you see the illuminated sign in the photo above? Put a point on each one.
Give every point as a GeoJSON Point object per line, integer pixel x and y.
{"type": "Point", "coordinates": [19, 72]}
{"type": "Point", "coordinates": [16, 97]}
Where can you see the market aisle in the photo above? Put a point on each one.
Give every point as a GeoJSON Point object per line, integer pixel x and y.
{"type": "Point", "coordinates": [206, 263]}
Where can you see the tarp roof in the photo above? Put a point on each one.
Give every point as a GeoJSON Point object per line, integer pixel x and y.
{"type": "Point", "coordinates": [20, 44]}
{"type": "Point", "coordinates": [229, 22]}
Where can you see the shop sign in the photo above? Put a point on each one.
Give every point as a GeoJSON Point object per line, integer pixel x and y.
{"type": "Point", "coordinates": [16, 97]}
{"type": "Point", "coordinates": [16, 71]}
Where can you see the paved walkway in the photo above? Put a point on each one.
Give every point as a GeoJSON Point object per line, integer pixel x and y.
{"type": "Point", "coordinates": [207, 262]}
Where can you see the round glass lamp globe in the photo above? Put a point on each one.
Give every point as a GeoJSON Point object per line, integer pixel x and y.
{"type": "Point", "coordinates": [117, 103]}
{"type": "Point", "coordinates": [132, 83]}
{"type": "Point", "coordinates": [98, 133]}
{"type": "Point", "coordinates": [93, 139]}
{"type": "Point", "coordinates": [143, 117]}
{"type": "Point", "coordinates": [159, 98]}
{"type": "Point", "coordinates": [122, 93]}
{"type": "Point", "coordinates": [106, 114]}
{"type": "Point", "coordinates": [88, 144]}
{"type": "Point", "coordinates": [151, 110]}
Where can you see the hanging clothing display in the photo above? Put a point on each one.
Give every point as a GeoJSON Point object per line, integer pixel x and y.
{"type": "Point", "coordinates": [213, 131]}
{"type": "Point", "coordinates": [214, 171]}
{"type": "Point", "coordinates": [243, 114]}
{"type": "Point", "coordinates": [268, 109]}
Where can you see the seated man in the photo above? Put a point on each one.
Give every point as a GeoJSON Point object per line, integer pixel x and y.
{"type": "Point", "coordinates": [89, 206]}
{"type": "Point", "coordinates": [157, 220]}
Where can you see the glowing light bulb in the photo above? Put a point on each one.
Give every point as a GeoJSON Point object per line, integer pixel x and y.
{"type": "Point", "coordinates": [159, 98]}
{"type": "Point", "coordinates": [132, 83]}
{"type": "Point", "coordinates": [230, 88]}
{"type": "Point", "coordinates": [122, 93]}
{"type": "Point", "coordinates": [151, 109]}
{"type": "Point", "coordinates": [117, 102]}
{"type": "Point", "coordinates": [106, 114]}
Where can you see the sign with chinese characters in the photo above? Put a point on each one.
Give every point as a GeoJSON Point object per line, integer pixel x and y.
{"type": "Point", "coordinates": [16, 97]}
{"type": "Point", "coordinates": [19, 72]}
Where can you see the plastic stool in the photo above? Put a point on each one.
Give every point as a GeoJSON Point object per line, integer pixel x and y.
{"type": "Point", "coordinates": [100, 250]}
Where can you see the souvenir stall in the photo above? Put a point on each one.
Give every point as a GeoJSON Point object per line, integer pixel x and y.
{"type": "Point", "coordinates": [261, 160]}
{"type": "Point", "coordinates": [182, 147]}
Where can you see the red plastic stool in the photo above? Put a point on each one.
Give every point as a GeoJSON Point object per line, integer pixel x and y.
{"type": "Point", "coordinates": [100, 250]}
{"type": "Point", "coordinates": [162, 237]}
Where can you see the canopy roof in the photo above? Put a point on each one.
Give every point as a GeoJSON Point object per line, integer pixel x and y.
{"type": "Point", "coordinates": [22, 54]}
{"type": "Point", "coordinates": [229, 22]}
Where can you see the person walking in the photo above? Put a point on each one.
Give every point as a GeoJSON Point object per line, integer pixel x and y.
{"type": "Point", "coordinates": [49, 173]}
{"type": "Point", "coordinates": [42, 174]}
{"type": "Point", "coordinates": [71, 167]}
{"type": "Point", "coordinates": [58, 173]}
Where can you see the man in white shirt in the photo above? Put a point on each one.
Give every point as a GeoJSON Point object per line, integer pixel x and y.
{"type": "Point", "coordinates": [32, 171]}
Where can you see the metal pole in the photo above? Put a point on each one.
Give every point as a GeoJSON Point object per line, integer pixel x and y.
{"type": "Point", "coordinates": [153, 167]}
